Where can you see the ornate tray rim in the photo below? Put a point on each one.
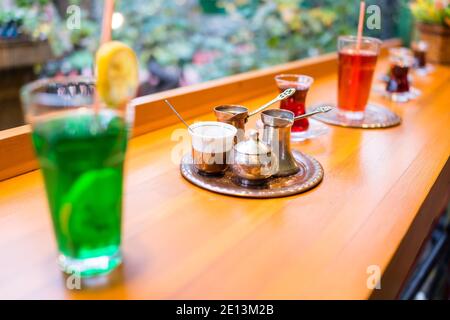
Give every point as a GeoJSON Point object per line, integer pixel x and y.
{"type": "Point", "coordinates": [309, 184]}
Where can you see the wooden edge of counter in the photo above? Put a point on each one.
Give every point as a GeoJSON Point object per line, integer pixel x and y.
{"type": "Point", "coordinates": [16, 150]}
{"type": "Point", "coordinates": [17, 156]}
{"type": "Point", "coordinates": [399, 268]}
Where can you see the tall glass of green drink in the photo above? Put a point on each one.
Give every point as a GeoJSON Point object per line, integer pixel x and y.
{"type": "Point", "coordinates": [80, 144]}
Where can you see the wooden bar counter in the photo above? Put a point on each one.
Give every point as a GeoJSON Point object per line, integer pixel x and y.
{"type": "Point", "coordinates": [382, 191]}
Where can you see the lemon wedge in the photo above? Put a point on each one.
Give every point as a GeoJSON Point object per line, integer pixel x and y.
{"type": "Point", "coordinates": [117, 73]}
{"type": "Point", "coordinates": [91, 209]}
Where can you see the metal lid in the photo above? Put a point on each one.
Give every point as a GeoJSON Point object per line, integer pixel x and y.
{"type": "Point", "coordinates": [252, 146]}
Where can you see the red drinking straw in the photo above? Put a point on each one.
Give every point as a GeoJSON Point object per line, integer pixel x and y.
{"type": "Point", "coordinates": [357, 64]}
{"type": "Point", "coordinates": [108, 11]}
{"type": "Point", "coordinates": [362, 11]}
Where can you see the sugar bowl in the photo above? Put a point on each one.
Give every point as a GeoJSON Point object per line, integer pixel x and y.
{"type": "Point", "coordinates": [253, 161]}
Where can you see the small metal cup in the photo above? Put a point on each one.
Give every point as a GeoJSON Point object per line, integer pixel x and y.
{"type": "Point", "coordinates": [277, 134]}
{"type": "Point", "coordinates": [235, 115]}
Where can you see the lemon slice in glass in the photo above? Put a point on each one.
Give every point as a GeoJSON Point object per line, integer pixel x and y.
{"type": "Point", "coordinates": [91, 209]}
{"type": "Point", "coordinates": [117, 73]}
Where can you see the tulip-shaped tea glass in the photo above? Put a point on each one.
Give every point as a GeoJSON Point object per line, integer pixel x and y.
{"type": "Point", "coordinates": [420, 49]}
{"type": "Point", "coordinates": [301, 129]}
{"type": "Point", "coordinates": [398, 85]}
{"type": "Point", "coordinates": [80, 144]}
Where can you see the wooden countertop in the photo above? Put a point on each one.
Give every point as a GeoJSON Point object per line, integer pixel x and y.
{"type": "Point", "coordinates": [381, 193]}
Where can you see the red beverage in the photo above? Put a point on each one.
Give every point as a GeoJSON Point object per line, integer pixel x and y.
{"type": "Point", "coordinates": [355, 78]}
{"type": "Point", "coordinates": [401, 60]}
{"type": "Point", "coordinates": [420, 59]}
{"type": "Point", "coordinates": [296, 104]}
{"type": "Point", "coordinates": [398, 79]}
{"type": "Point", "coordinates": [420, 49]}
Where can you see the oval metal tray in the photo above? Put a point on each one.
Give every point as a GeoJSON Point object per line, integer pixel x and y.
{"type": "Point", "coordinates": [310, 175]}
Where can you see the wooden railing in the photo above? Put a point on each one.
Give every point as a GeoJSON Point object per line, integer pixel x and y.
{"type": "Point", "coordinates": [151, 113]}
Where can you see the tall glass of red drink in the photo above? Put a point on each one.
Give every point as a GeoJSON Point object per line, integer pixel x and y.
{"type": "Point", "coordinates": [356, 68]}
{"type": "Point", "coordinates": [296, 103]}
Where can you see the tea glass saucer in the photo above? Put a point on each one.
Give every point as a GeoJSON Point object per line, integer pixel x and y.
{"type": "Point", "coordinates": [413, 93]}
{"type": "Point", "coordinates": [375, 117]}
{"type": "Point", "coordinates": [422, 72]}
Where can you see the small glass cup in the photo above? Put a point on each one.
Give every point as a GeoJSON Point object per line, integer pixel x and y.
{"type": "Point", "coordinates": [297, 102]}
{"type": "Point", "coordinates": [421, 65]}
{"type": "Point", "coordinates": [212, 143]}
{"type": "Point", "coordinates": [356, 68]}
{"type": "Point", "coordinates": [80, 144]}
{"type": "Point", "coordinates": [398, 84]}
{"type": "Point", "coordinates": [420, 49]}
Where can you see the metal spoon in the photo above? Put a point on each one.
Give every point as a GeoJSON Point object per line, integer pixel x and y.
{"type": "Point", "coordinates": [284, 95]}
{"type": "Point", "coordinates": [178, 115]}
{"type": "Point", "coordinates": [321, 109]}
{"type": "Point", "coordinates": [280, 118]}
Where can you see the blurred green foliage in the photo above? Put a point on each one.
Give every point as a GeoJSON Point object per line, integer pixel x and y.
{"type": "Point", "coordinates": [205, 38]}
{"type": "Point", "coordinates": [432, 11]}
{"type": "Point", "coordinates": [251, 34]}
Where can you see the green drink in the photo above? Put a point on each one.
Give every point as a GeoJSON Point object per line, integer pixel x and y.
{"type": "Point", "coordinates": [81, 157]}
{"type": "Point", "coordinates": [81, 151]}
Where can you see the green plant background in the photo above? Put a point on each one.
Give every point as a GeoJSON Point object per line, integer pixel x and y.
{"type": "Point", "coordinates": [432, 11]}
{"type": "Point", "coordinates": [205, 39]}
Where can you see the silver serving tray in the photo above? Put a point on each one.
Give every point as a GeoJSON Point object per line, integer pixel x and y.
{"type": "Point", "coordinates": [310, 175]}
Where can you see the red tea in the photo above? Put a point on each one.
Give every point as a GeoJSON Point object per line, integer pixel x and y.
{"type": "Point", "coordinates": [355, 78]}
{"type": "Point", "coordinates": [420, 58]}
{"type": "Point", "coordinates": [296, 104]}
{"type": "Point", "coordinates": [420, 49]}
{"type": "Point", "coordinates": [398, 79]}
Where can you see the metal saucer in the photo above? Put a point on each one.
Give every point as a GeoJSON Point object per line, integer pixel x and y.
{"type": "Point", "coordinates": [310, 175]}
{"type": "Point", "coordinates": [375, 117]}
{"type": "Point", "coordinates": [422, 72]}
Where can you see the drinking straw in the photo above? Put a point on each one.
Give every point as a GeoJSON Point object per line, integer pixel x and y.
{"type": "Point", "coordinates": [357, 63]}
{"type": "Point", "coordinates": [108, 10]}
{"type": "Point", "coordinates": [362, 10]}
